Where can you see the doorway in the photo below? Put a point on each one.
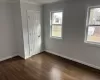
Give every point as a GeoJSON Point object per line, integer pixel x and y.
{"type": "Point", "coordinates": [34, 31]}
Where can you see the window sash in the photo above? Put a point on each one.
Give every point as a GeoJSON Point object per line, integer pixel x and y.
{"type": "Point", "coordinates": [52, 24]}
{"type": "Point", "coordinates": [87, 35]}
{"type": "Point", "coordinates": [56, 30]}
{"type": "Point", "coordinates": [90, 25]}
{"type": "Point", "coordinates": [89, 16]}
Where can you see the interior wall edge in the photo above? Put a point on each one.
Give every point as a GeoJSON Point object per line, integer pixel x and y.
{"type": "Point", "coordinates": [22, 56]}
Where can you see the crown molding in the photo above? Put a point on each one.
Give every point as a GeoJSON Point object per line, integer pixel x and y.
{"type": "Point", "coordinates": [9, 1]}
{"type": "Point", "coordinates": [29, 2]}
{"type": "Point", "coordinates": [21, 1]}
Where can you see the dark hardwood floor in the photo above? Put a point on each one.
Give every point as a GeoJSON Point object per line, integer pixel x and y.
{"type": "Point", "coordinates": [45, 66]}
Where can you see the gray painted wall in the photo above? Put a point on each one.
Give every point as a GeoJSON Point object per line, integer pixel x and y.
{"type": "Point", "coordinates": [8, 46]}
{"type": "Point", "coordinates": [16, 14]}
{"type": "Point", "coordinates": [72, 45]}
{"type": "Point", "coordinates": [13, 28]}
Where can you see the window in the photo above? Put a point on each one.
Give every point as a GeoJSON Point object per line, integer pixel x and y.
{"type": "Point", "coordinates": [93, 26]}
{"type": "Point", "coordinates": [56, 24]}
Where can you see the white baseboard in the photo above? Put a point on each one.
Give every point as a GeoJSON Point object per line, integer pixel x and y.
{"type": "Point", "coordinates": [26, 57]}
{"type": "Point", "coordinates": [8, 57]}
{"type": "Point", "coordinates": [82, 62]}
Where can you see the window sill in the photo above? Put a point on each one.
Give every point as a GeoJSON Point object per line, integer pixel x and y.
{"type": "Point", "coordinates": [56, 37]}
{"type": "Point", "coordinates": [96, 44]}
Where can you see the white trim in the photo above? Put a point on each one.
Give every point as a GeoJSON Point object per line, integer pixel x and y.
{"type": "Point", "coordinates": [66, 57]}
{"type": "Point", "coordinates": [92, 43]}
{"type": "Point", "coordinates": [8, 57]}
{"type": "Point", "coordinates": [9, 1]}
{"type": "Point", "coordinates": [26, 57]}
{"type": "Point", "coordinates": [29, 2]}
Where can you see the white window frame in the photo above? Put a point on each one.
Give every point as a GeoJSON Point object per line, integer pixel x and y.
{"type": "Point", "coordinates": [87, 25]}
{"type": "Point", "coordinates": [51, 25]}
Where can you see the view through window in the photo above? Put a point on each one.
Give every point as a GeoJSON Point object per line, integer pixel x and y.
{"type": "Point", "coordinates": [93, 25]}
{"type": "Point", "coordinates": [56, 24]}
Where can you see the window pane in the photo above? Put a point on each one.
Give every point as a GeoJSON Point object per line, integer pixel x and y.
{"type": "Point", "coordinates": [56, 30]}
{"type": "Point", "coordinates": [57, 18]}
{"type": "Point", "coordinates": [93, 34]}
{"type": "Point", "coordinates": [94, 18]}
{"type": "Point", "coordinates": [56, 24]}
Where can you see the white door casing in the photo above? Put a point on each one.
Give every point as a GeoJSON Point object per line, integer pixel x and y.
{"type": "Point", "coordinates": [34, 31]}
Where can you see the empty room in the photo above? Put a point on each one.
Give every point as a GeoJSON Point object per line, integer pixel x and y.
{"type": "Point", "coordinates": [49, 39]}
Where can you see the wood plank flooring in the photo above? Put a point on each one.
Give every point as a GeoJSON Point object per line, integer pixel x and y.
{"type": "Point", "coordinates": [45, 66]}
